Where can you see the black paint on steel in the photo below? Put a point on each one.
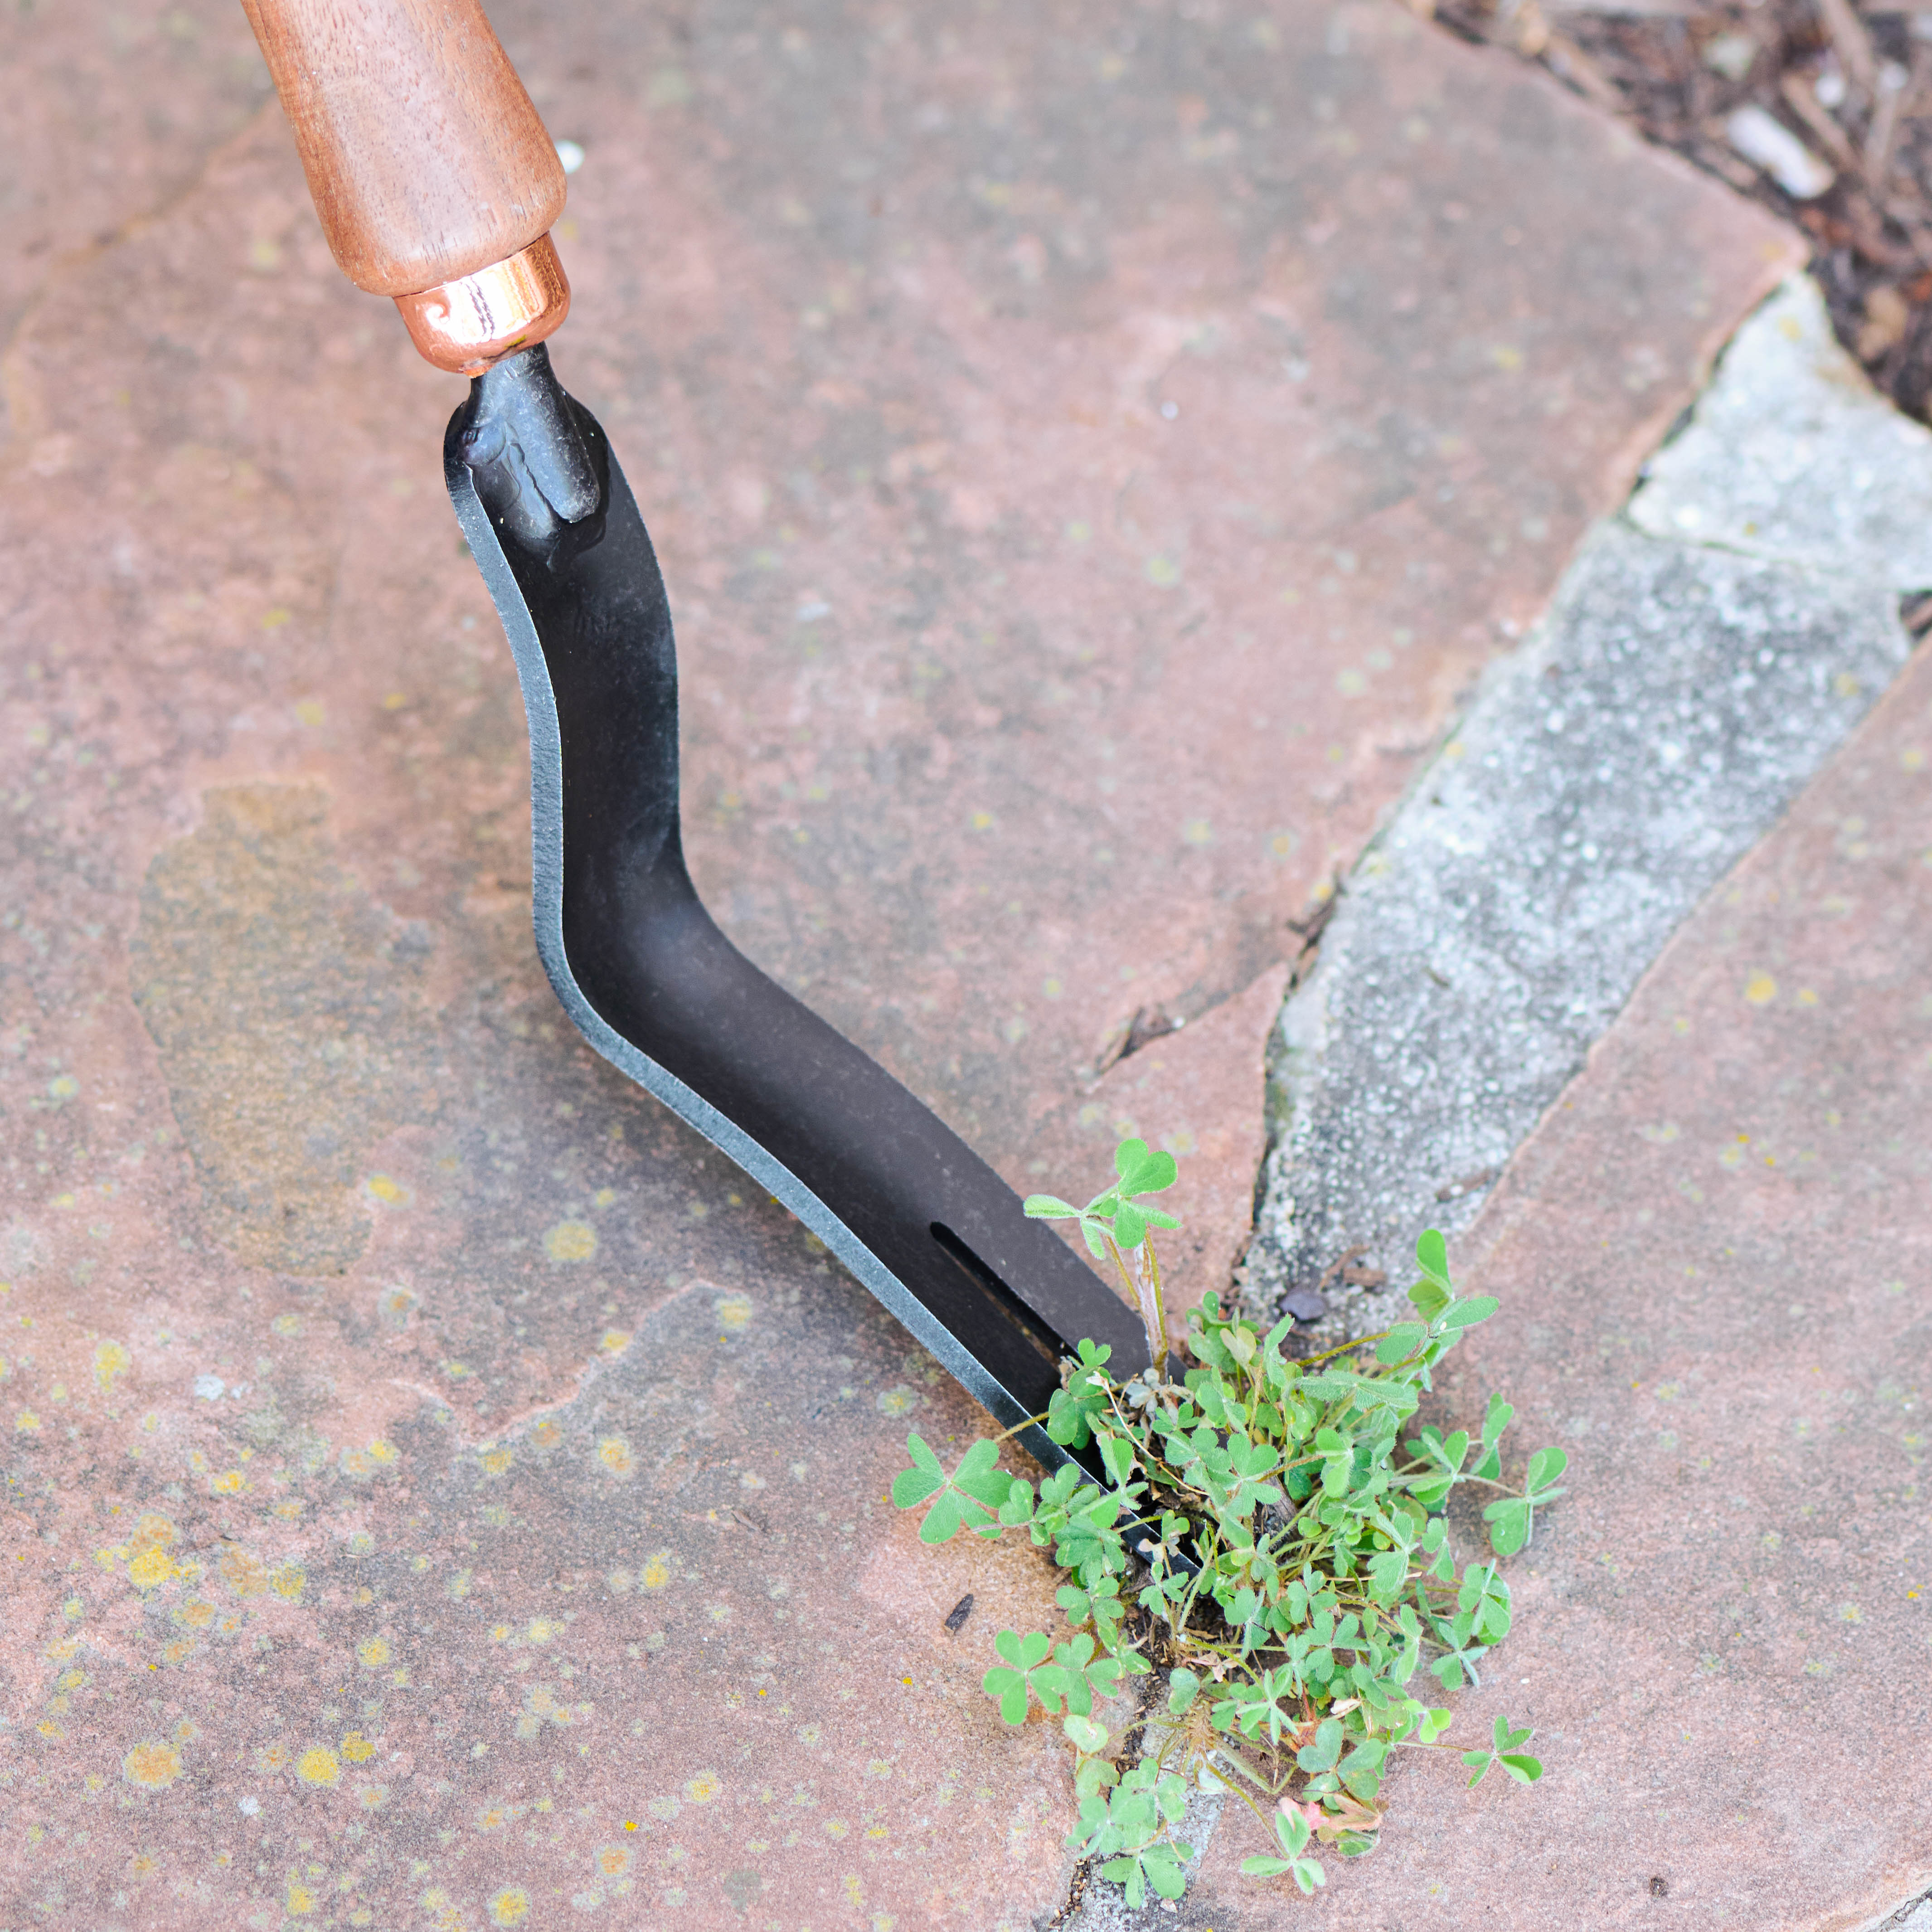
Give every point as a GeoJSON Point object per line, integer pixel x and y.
{"type": "Point", "coordinates": [655, 986]}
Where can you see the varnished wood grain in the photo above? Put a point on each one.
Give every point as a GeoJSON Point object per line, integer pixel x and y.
{"type": "Point", "coordinates": [423, 154]}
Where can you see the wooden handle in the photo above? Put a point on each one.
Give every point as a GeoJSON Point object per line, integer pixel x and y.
{"type": "Point", "coordinates": [425, 158]}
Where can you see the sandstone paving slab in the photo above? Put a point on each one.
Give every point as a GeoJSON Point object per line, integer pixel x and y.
{"type": "Point", "coordinates": [1087, 456]}
{"type": "Point", "coordinates": [1715, 1264]}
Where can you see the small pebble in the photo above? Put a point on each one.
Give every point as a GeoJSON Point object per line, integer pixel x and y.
{"type": "Point", "coordinates": [1769, 145]}
{"type": "Point", "coordinates": [1733, 56]}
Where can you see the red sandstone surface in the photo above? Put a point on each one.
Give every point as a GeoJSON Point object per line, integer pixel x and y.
{"type": "Point", "coordinates": [1088, 453]}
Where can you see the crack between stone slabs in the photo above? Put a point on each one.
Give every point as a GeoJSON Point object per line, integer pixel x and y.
{"type": "Point", "coordinates": [1914, 1915]}
{"type": "Point", "coordinates": [1680, 693]}
{"type": "Point", "coordinates": [1657, 723]}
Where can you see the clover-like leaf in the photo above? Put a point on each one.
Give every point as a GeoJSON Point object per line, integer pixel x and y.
{"type": "Point", "coordinates": [969, 1496]}
{"type": "Point", "coordinates": [1083, 1733]}
{"type": "Point", "coordinates": [1323, 1753]}
{"type": "Point", "coordinates": [1013, 1683]}
{"type": "Point", "coordinates": [1143, 1170]}
{"type": "Point", "coordinates": [1508, 1518]}
{"type": "Point", "coordinates": [1401, 1342]}
{"type": "Point", "coordinates": [1503, 1750]}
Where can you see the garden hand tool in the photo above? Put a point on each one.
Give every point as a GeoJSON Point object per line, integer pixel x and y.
{"type": "Point", "coordinates": [437, 185]}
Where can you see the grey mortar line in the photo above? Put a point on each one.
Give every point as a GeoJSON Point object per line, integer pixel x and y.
{"type": "Point", "coordinates": [1914, 1915]}
{"type": "Point", "coordinates": [1709, 648]}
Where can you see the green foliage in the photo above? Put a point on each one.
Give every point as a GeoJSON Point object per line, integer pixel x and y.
{"type": "Point", "coordinates": [1503, 1751]}
{"type": "Point", "coordinates": [1291, 1828]}
{"type": "Point", "coordinates": [1119, 1211]}
{"type": "Point", "coordinates": [969, 1496]}
{"type": "Point", "coordinates": [1305, 1572]}
{"type": "Point", "coordinates": [1128, 1829]}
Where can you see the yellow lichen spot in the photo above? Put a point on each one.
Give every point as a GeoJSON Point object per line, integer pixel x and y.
{"type": "Point", "coordinates": [373, 1652]}
{"type": "Point", "coordinates": [734, 1313]}
{"type": "Point", "coordinates": [286, 1324]}
{"type": "Point", "coordinates": [372, 1795]}
{"type": "Point", "coordinates": [151, 1531]}
{"type": "Point", "coordinates": [510, 1905]}
{"type": "Point", "coordinates": [27, 1423]}
{"type": "Point", "coordinates": [318, 1765]}
{"type": "Point", "coordinates": [230, 1482]}
{"type": "Point", "coordinates": [614, 1453]}
{"type": "Point", "coordinates": [656, 1573]}
{"type": "Point", "coordinates": [110, 1360]}
{"type": "Point", "coordinates": [571, 1241]}
{"type": "Point", "coordinates": [179, 1651]}
{"type": "Point", "coordinates": [153, 1765]}
{"type": "Point", "coordinates": [197, 1615]}
{"type": "Point", "coordinates": [705, 1786]}
{"type": "Point", "coordinates": [309, 711]}
{"type": "Point", "coordinates": [836, 1828]}
{"type": "Point", "coordinates": [393, 1193]}
{"type": "Point", "coordinates": [613, 1860]}
{"type": "Point", "coordinates": [357, 1749]}
{"type": "Point", "coordinates": [1760, 989]}
{"type": "Point", "coordinates": [615, 1341]}
{"type": "Point", "coordinates": [287, 1581]}
{"type": "Point", "coordinates": [300, 1899]}
{"type": "Point", "coordinates": [63, 1086]}
{"type": "Point", "coordinates": [150, 1569]}
{"type": "Point", "coordinates": [544, 1630]}
{"type": "Point", "coordinates": [243, 1571]}
{"type": "Point", "coordinates": [496, 1461]}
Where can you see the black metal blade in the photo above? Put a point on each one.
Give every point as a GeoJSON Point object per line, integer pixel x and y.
{"type": "Point", "coordinates": [655, 986]}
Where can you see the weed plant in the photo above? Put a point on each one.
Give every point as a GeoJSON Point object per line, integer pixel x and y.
{"type": "Point", "coordinates": [1301, 1571]}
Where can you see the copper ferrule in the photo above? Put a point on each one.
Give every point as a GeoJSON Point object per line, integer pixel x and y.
{"type": "Point", "coordinates": [467, 325]}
